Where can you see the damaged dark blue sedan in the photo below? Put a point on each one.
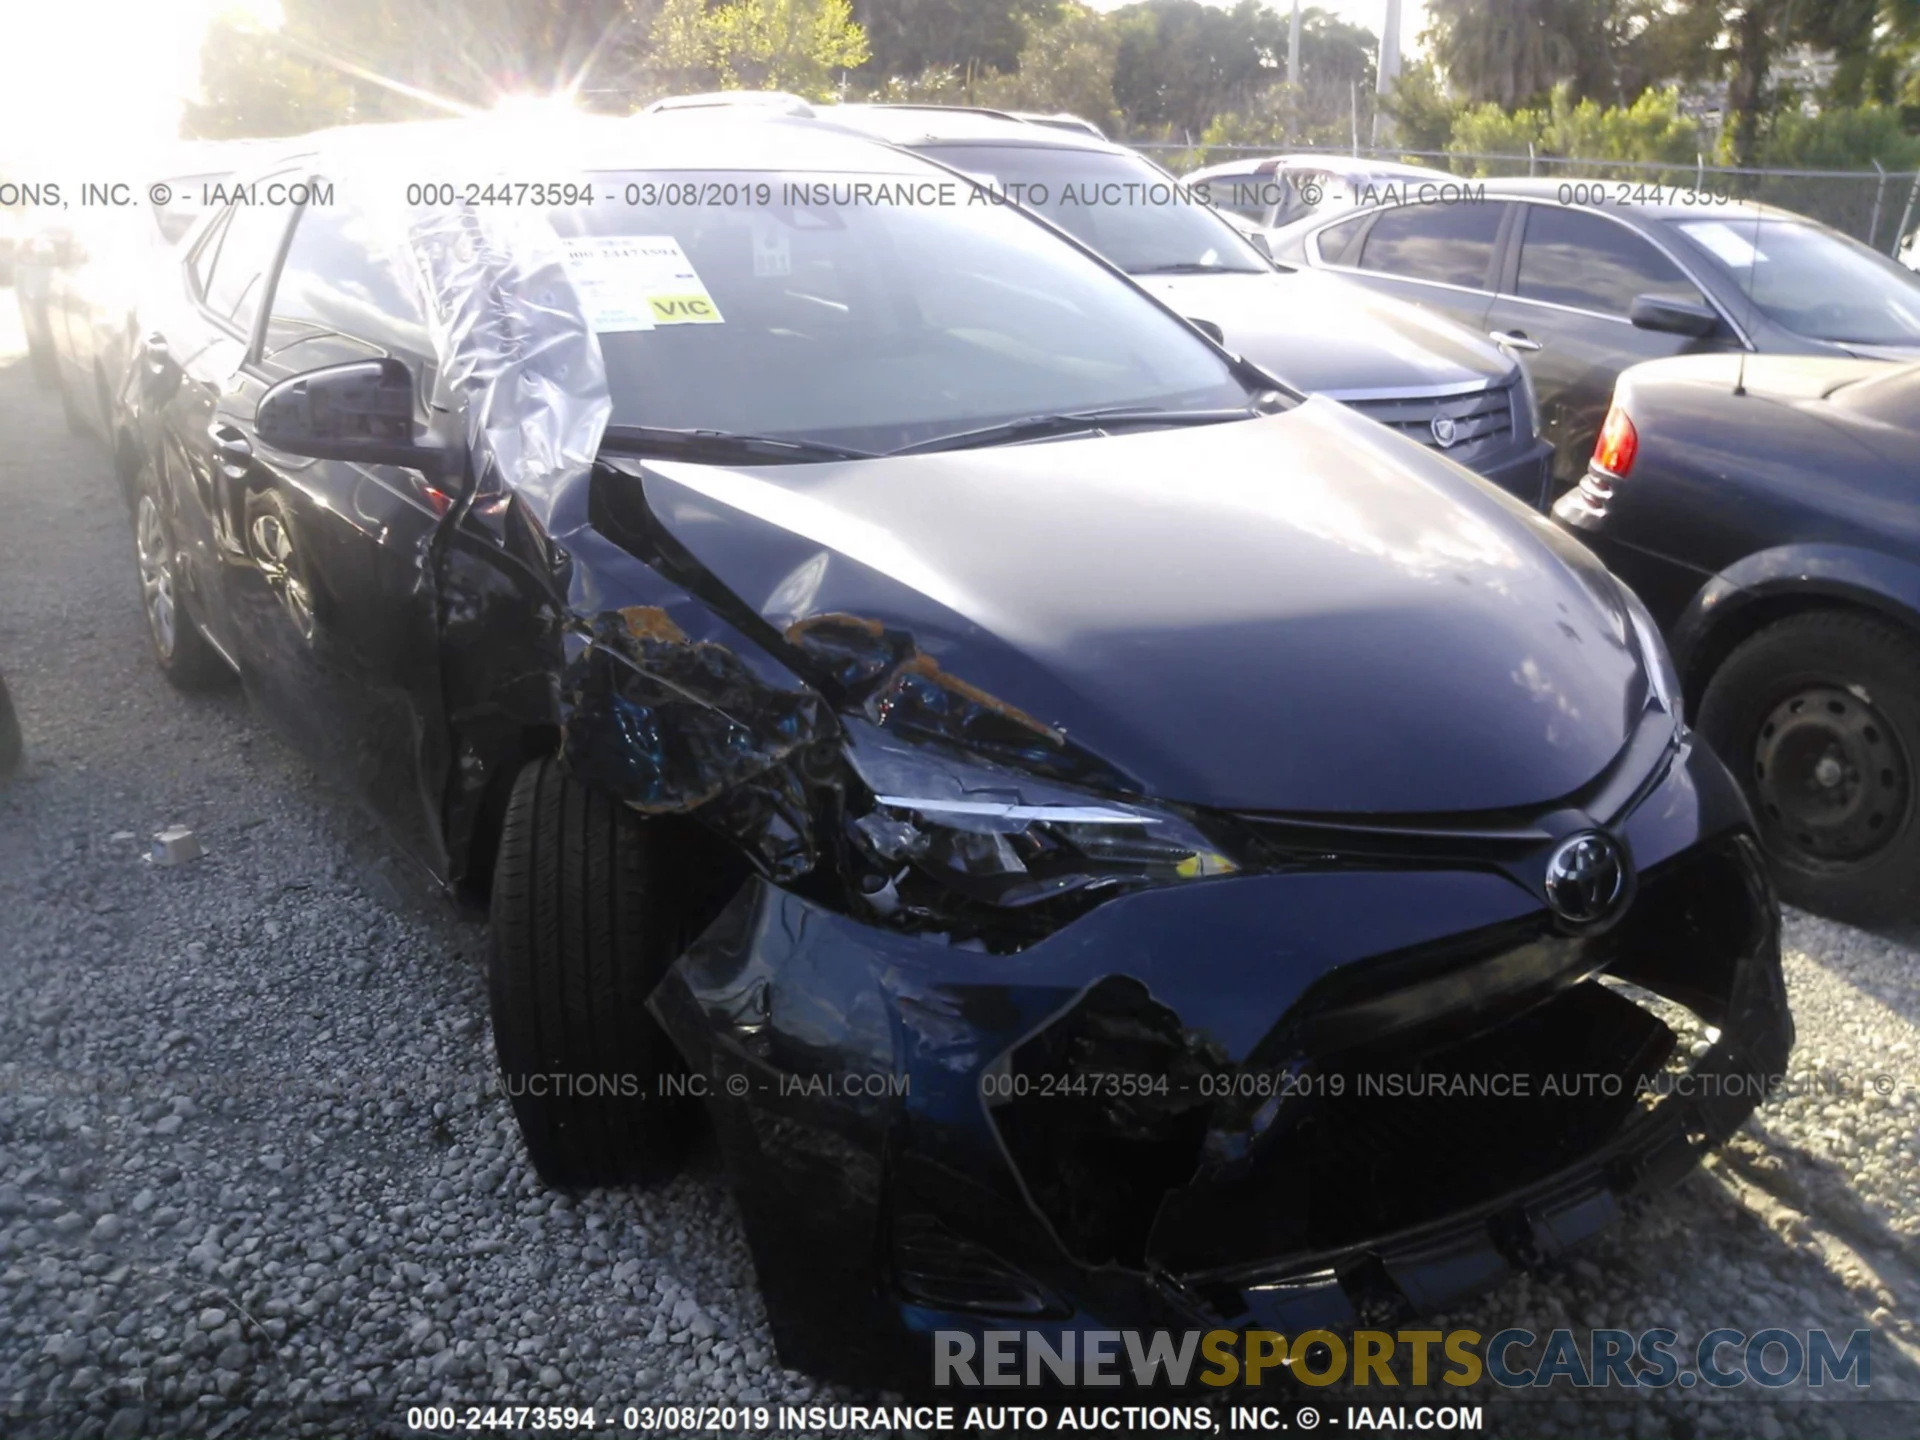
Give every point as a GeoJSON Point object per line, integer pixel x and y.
{"type": "Point", "coordinates": [1103, 841]}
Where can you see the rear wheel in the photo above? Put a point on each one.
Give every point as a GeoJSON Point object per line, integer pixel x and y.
{"type": "Point", "coordinates": [582, 931]}
{"type": "Point", "coordinates": [183, 653]}
{"type": "Point", "coordinates": [1819, 718]}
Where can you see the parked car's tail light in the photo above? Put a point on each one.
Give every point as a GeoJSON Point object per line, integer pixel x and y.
{"type": "Point", "coordinates": [1614, 451]}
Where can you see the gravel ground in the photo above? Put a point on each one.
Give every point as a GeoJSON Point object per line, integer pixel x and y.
{"type": "Point", "coordinates": [256, 1176]}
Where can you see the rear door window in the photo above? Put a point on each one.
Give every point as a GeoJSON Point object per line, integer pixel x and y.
{"type": "Point", "coordinates": [1337, 242]}
{"type": "Point", "coordinates": [1451, 244]}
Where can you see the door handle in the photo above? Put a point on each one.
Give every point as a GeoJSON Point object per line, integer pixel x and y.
{"type": "Point", "coordinates": [232, 451]}
{"type": "Point", "coordinates": [1514, 340]}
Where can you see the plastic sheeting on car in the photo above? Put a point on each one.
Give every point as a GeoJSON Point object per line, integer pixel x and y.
{"type": "Point", "coordinates": [514, 345]}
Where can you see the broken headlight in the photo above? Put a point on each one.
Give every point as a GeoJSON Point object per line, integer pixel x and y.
{"type": "Point", "coordinates": [941, 822]}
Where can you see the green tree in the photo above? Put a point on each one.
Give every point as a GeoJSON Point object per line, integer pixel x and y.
{"type": "Point", "coordinates": [795, 45]}
{"type": "Point", "coordinates": [1181, 63]}
{"type": "Point", "coordinates": [252, 85]}
{"type": "Point", "coordinates": [1842, 138]}
{"type": "Point", "coordinates": [1423, 113]}
{"type": "Point", "coordinates": [1872, 39]}
{"type": "Point", "coordinates": [1066, 65]}
{"type": "Point", "coordinates": [1336, 62]}
{"type": "Point", "coordinates": [1506, 52]}
{"type": "Point", "coordinates": [973, 38]}
{"type": "Point", "coordinates": [1650, 129]}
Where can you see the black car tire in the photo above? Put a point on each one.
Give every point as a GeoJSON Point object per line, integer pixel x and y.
{"type": "Point", "coordinates": [10, 742]}
{"type": "Point", "coordinates": [581, 934]}
{"type": "Point", "coordinates": [182, 652]}
{"type": "Point", "coordinates": [1861, 678]}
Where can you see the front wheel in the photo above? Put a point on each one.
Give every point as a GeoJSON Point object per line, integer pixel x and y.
{"type": "Point", "coordinates": [582, 931]}
{"type": "Point", "coordinates": [1818, 716]}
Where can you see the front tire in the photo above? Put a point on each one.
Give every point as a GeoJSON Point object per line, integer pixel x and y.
{"type": "Point", "coordinates": [1818, 717]}
{"type": "Point", "coordinates": [581, 933]}
{"type": "Point", "coordinates": [182, 652]}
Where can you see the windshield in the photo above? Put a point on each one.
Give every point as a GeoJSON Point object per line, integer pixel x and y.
{"type": "Point", "coordinates": [861, 311]}
{"type": "Point", "coordinates": [1813, 281]}
{"type": "Point", "coordinates": [1137, 216]}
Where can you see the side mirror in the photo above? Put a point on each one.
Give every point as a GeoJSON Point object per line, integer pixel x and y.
{"type": "Point", "coordinates": [1207, 328]}
{"type": "Point", "coordinates": [1258, 239]}
{"type": "Point", "coordinates": [1672, 317]}
{"type": "Point", "coordinates": [359, 411]}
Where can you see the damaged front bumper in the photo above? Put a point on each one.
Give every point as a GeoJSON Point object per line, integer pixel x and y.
{"type": "Point", "coordinates": [1329, 1096]}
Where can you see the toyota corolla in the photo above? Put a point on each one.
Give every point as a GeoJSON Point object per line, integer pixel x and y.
{"type": "Point", "coordinates": [1100, 839]}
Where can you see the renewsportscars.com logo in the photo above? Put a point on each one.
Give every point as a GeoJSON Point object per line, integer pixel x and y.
{"type": "Point", "coordinates": [1653, 1359]}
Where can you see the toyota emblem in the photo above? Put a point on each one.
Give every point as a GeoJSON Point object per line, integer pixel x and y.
{"type": "Point", "coordinates": [1444, 431]}
{"type": "Point", "coordinates": [1585, 877]}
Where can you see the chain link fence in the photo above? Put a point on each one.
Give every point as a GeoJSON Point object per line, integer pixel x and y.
{"type": "Point", "coordinates": [1876, 206]}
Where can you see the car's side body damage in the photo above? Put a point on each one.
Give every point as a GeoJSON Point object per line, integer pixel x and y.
{"type": "Point", "coordinates": [1110, 817]}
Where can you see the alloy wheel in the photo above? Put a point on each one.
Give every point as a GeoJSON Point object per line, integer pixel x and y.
{"type": "Point", "coordinates": [273, 549]}
{"type": "Point", "coordinates": [156, 576]}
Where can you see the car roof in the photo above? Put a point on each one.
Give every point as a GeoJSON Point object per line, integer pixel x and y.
{"type": "Point", "coordinates": [916, 125]}
{"type": "Point", "coordinates": [1543, 187]}
{"type": "Point", "coordinates": [697, 139]}
{"type": "Point", "coordinates": [1331, 163]}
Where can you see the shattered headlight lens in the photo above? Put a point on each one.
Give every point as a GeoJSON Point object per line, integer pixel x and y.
{"type": "Point", "coordinates": [1003, 838]}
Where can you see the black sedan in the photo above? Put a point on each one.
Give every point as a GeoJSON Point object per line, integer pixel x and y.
{"type": "Point", "coordinates": [1769, 514]}
{"type": "Point", "coordinates": [1588, 277]}
{"type": "Point", "coordinates": [912, 702]}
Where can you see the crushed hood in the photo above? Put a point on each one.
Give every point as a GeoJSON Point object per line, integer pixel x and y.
{"type": "Point", "coordinates": [1300, 612]}
{"type": "Point", "coordinates": [1321, 333]}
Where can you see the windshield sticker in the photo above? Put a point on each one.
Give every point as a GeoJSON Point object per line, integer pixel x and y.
{"type": "Point", "coordinates": [638, 282]}
{"type": "Point", "coordinates": [608, 286]}
{"type": "Point", "coordinates": [1726, 242]}
{"type": "Point", "coordinates": [772, 253]}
